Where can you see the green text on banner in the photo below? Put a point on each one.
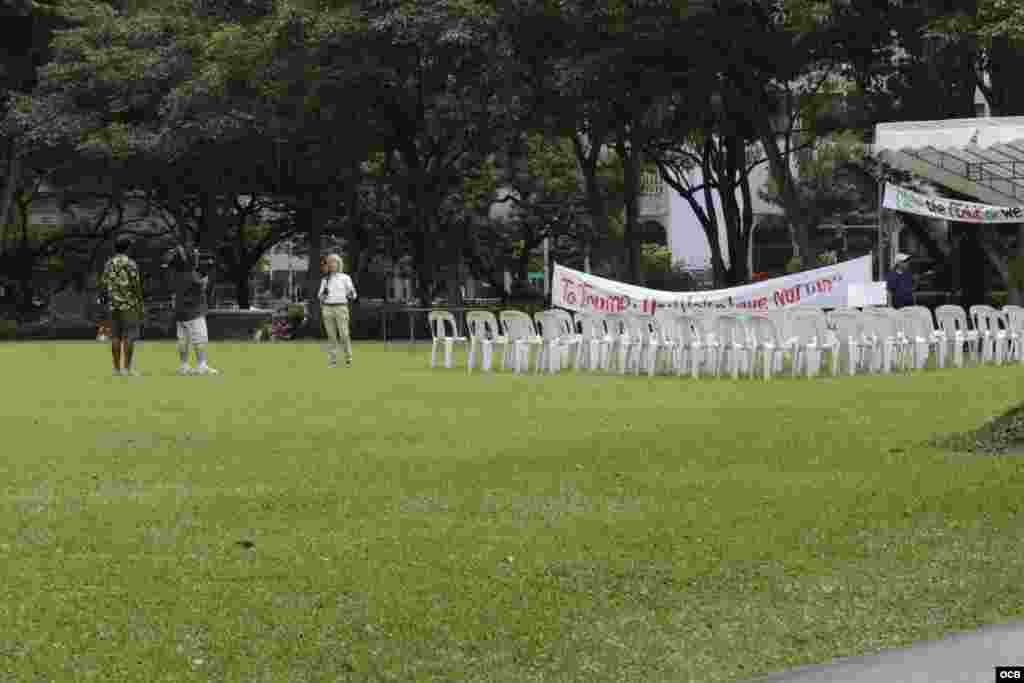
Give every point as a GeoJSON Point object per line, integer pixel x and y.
{"type": "Point", "coordinates": [900, 199]}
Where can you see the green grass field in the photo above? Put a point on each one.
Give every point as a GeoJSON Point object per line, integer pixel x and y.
{"type": "Point", "coordinates": [286, 522]}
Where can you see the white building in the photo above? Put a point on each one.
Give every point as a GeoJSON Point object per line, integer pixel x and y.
{"type": "Point", "coordinates": [684, 232]}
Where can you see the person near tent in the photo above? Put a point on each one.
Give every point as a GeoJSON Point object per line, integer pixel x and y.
{"type": "Point", "coordinates": [900, 283]}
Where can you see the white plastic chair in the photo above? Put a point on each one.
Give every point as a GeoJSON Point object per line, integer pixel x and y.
{"type": "Point", "coordinates": [852, 332]}
{"type": "Point", "coordinates": [666, 331]}
{"type": "Point", "coordinates": [1006, 334]}
{"type": "Point", "coordinates": [690, 345]}
{"type": "Point", "coordinates": [811, 339]}
{"type": "Point", "coordinates": [594, 343]}
{"type": "Point", "coordinates": [1014, 316]}
{"type": "Point", "coordinates": [986, 321]}
{"type": "Point", "coordinates": [570, 336]}
{"type": "Point", "coordinates": [886, 339]}
{"type": "Point", "coordinates": [952, 321]}
{"type": "Point", "coordinates": [734, 343]}
{"type": "Point", "coordinates": [922, 337]}
{"type": "Point", "coordinates": [904, 352]}
{"type": "Point", "coordinates": [780, 316]}
{"type": "Point", "coordinates": [769, 345]}
{"type": "Point", "coordinates": [444, 331]}
{"type": "Point", "coordinates": [553, 341]}
{"type": "Point", "coordinates": [484, 335]}
{"type": "Point", "coordinates": [522, 337]}
{"type": "Point", "coordinates": [623, 345]}
{"type": "Point", "coordinates": [645, 343]}
{"type": "Point", "coordinates": [704, 326]}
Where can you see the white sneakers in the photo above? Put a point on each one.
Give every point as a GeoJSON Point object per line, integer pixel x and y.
{"type": "Point", "coordinates": [201, 370]}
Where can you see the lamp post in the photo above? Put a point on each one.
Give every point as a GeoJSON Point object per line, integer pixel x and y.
{"type": "Point", "coordinates": [547, 266]}
{"type": "Point", "coordinates": [291, 272]}
{"type": "Point", "coordinates": [881, 216]}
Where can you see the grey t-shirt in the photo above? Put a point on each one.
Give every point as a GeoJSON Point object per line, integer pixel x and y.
{"type": "Point", "coordinates": [189, 295]}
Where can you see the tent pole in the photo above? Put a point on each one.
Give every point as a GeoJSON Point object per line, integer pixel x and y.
{"type": "Point", "coordinates": [881, 214]}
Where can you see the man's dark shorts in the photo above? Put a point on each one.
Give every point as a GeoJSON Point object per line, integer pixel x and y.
{"type": "Point", "coordinates": [125, 325]}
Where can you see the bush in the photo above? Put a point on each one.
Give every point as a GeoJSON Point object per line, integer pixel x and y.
{"type": "Point", "coordinates": [1016, 272]}
{"type": "Point", "coordinates": [296, 315]}
{"type": "Point", "coordinates": [999, 435]}
{"type": "Point", "coordinates": [8, 330]}
{"type": "Point", "coordinates": [999, 299]}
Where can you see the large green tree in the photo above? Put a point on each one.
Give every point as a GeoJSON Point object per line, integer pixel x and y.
{"type": "Point", "coordinates": [601, 78]}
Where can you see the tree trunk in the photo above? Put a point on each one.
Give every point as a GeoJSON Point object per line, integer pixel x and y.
{"type": "Point", "coordinates": [310, 217]}
{"type": "Point", "coordinates": [801, 222]}
{"type": "Point", "coordinates": [523, 266]}
{"type": "Point", "coordinates": [242, 291]}
{"type": "Point", "coordinates": [12, 177]}
{"type": "Point", "coordinates": [746, 234]}
{"type": "Point", "coordinates": [455, 266]}
{"type": "Point", "coordinates": [422, 259]}
{"type": "Point", "coordinates": [1015, 282]}
{"type": "Point", "coordinates": [972, 258]}
{"type": "Point", "coordinates": [240, 267]}
{"type": "Point", "coordinates": [631, 190]}
{"type": "Point", "coordinates": [730, 174]}
{"type": "Point", "coordinates": [597, 205]}
{"type": "Point", "coordinates": [708, 216]}
{"type": "Point", "coordinates": [26, 259]}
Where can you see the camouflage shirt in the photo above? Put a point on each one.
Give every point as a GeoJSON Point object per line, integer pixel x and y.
{"type": "Point", "coordinates": [123, 284]}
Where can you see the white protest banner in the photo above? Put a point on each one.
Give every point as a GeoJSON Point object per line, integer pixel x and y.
{"type": "Point", "coordinates": [825, 287]}
{"type": "Point", "coordinates": [900, 199]}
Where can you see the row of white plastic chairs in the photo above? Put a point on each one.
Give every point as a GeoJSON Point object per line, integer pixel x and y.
{"type": "Point", "coordinates": [735, 342]}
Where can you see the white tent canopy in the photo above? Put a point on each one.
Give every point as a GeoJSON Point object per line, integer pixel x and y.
{"type": "Point", "coordinates": [981, 158]}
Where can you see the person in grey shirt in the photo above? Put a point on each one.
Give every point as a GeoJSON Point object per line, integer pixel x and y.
{"type": "Point", "coordinates": [190, 308]}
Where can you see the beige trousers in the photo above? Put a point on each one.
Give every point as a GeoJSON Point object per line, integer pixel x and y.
{"type": "Point", "coordinates": [335, 317]}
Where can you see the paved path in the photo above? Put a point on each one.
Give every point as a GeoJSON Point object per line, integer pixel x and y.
{"type": "Point", "coordinates": [969, 657]}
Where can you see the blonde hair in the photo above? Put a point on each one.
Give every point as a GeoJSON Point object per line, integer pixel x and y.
{"type": "Point", "coordinates": [335, 258]}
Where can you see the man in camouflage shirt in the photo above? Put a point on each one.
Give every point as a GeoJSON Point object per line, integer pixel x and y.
{"type": "Point", "coordinates": [122, 286]}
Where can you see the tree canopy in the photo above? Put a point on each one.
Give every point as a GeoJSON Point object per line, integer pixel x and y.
{"type": "Point", "coordinates": [398, 126]}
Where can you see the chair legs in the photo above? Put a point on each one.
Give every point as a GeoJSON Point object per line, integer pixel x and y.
{"type": "Point", "coordinates": [487, 352]}
{"type": "Point", "coordinates": [699, 357]}
{"type": "Point", "coordinates": [449, 346]}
